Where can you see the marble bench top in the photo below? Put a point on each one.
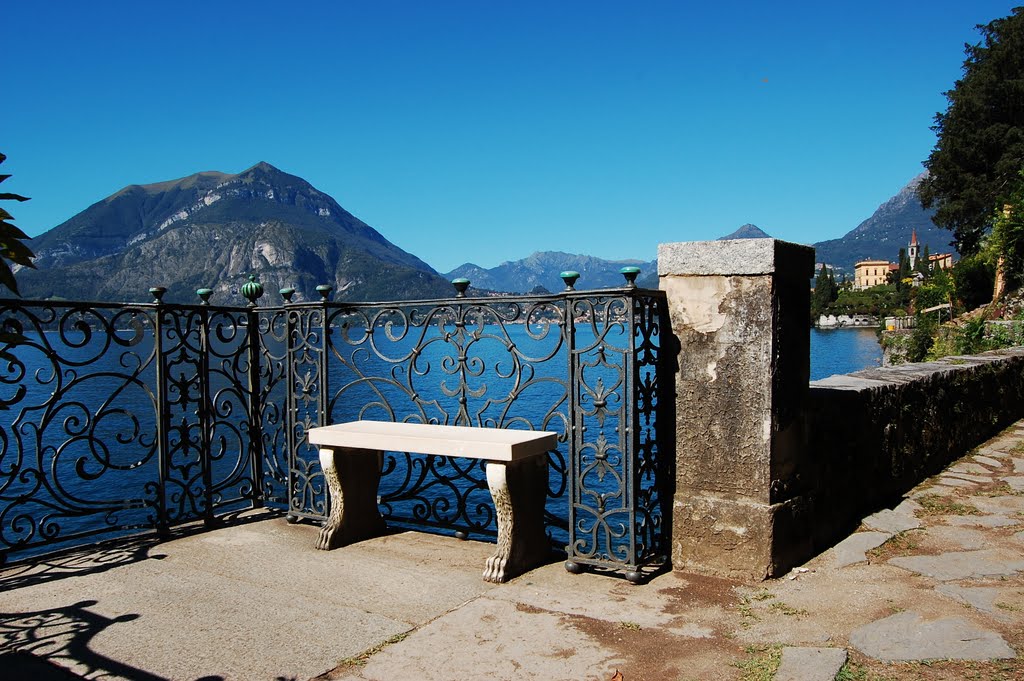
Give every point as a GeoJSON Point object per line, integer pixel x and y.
{"type": "Point", "coordinates": [492, 444]}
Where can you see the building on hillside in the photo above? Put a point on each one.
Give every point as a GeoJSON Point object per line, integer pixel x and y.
{"type": "Point", "coordinates": [940, 261]}
{"type": "Point", "coordinates": [868, 273]}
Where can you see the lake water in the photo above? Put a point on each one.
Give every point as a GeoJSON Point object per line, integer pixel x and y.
{"type": "Point", "coordinates": [842, 351]}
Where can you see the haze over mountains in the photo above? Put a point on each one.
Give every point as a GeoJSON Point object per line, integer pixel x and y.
{"type": "Point", "coordinates": [213, 229]}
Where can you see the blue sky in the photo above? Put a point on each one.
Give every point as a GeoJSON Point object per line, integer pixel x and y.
{"type": "Point", "coordinates": [476, 131]}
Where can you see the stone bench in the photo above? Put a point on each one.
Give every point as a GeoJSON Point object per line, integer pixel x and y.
{"type": "Point", "coordinates": [351, 455]}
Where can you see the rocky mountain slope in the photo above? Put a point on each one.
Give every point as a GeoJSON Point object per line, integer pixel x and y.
{"type": "Point", "coordinates": [212, 230]}
{"type": "Point", "coordinates": [888, 230]}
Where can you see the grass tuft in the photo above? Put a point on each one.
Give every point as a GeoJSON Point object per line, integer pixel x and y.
{"type": "Point", "coordinates": [936, 504]}
{"type": "Point", "coordinates": [762, 663]}
{"type": "Point", "coordinates": [361, 659]}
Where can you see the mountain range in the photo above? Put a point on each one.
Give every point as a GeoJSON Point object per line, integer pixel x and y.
{"type": "Point", "coordinates": [889, 229]}
{"type": "Point", "coordinates": [540, 272]}
{"type": "Point", "coordinates": [212, 229]}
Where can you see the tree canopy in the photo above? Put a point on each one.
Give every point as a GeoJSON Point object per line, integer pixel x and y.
{"type": "Point", "coordinates": [974, 167]}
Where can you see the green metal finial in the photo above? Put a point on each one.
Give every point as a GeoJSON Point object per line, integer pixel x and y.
{"type": "Point", "coordinates": [204, 295]}
{"type": "Point", "coordinates": [252, 290]}
{"type": "Point", "coordinates": [158, 293]}
{"type": "Point", "coordinates": [630, 272]}
{"type": "Point", "coordinates": [460, 284]}
{"type": "Point", "coordinates": [287, 294]}
{"type": "Point", "coordinates": [569, 277]}
{"type": "Point", "coordinates": [325, 291]}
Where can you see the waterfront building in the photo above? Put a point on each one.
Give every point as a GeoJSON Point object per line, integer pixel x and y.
{"type": "Point", "coordinates": [868, 273]}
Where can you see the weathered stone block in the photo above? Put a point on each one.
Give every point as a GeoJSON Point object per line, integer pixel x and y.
{"type": "Point", "coordinates": [738, 538]}
{"type": "Point", "coordinates": [739, 310]}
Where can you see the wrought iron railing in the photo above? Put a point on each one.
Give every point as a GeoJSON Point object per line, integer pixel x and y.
{"type": "Point", "coordinates": [129, 417]}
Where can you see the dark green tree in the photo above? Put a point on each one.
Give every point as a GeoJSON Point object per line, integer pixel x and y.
{"type": "Point", "coordinates": [824, 293]}
{"type": "Point", "coordinates": [973, 279]}
{"type": "Point", "coordinates": [974, 166]}
{"type": "Point", "coordinates": [11, 247]}
{"type": "Point", "coordinates": [902, 272]}
{"type": "Point", "coordinates": [923, 264]}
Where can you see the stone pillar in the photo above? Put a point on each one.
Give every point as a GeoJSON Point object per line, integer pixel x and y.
{"type": "Point", "coordinates": [740, 310]}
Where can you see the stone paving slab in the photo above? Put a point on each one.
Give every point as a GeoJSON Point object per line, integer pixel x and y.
{"type": "Point", "coordinates": [987, 461]}
{"type": "Point", "coordinates": [983, 598]}
{"type": "Point", "coordinates": [966, 467]}
{"type": "Point", "coordinates": [891, 521]}
{"type": "Point", "coordinates": [1000, 449]}
{"type": "Point", "coordinates": [492, 639]}
{"type": "Point", "coordinates": [854, 548]}
{"type": "Point", "coordinates": [1003, 505]}
{"type": "Point", "coordinates": [1018, 465]}
{"type": "Point", "coordinates": [968, 477]}
{"type": "Point", "coordinates": [950, 481]}
{"type": "Point", "coordinates": [1016, 482]}
{"type": "Point", "coordinates": [963, 564]}
{"type": "Point", "coordinates": [962, 537]}
{"type": "Point", "coordinates": [906, 637]}
{"type": "Point", "coordinates": [980, 520]}
{"type": "Point", "coordinates": [810, 664]}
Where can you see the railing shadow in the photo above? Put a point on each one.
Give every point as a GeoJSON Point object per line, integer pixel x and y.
{"type": "Point", "coordinates": [112, 553]}
{"type": "Point", "coordinates": [54, 644]}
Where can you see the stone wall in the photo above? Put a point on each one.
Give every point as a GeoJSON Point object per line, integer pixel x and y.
{"type": "Point", "coordinates": [874, 434]}
{"type": "Point", "coordinates": [771, 470]}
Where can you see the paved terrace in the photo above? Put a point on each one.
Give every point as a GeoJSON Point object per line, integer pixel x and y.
{"type": "Point", "coordinates": [933, 589]}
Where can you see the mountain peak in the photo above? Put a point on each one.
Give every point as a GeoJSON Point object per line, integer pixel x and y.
{"type": "Point", "coordinates": [747, 231]}
{"type": "Point", "coordinates": [263, 168]}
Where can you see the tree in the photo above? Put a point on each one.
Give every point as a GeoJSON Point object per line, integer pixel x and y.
{"type": "Point", "coordinates": [973, 278]}
{"type": "Point", "coordinates": [923, 264]}
{"type": "Point", "coordinates": [824, 293]}
{"type": "Point", "coordinates": [1007, 238]}
{"type": "Point", "coordinates": [11, 247]}
{"type": "Point", "coordinates": [901, 272]}
{"type": "Point", "coordinates": [974, 166]}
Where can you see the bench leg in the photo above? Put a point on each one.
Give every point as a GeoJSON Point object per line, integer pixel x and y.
{"type": "Point", "coordinates": [352, 477]}
{"type": "Point", "coordinates": [519, 489]}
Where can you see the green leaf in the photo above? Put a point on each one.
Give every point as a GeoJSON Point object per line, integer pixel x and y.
{"type": "Point", "coordinates": [7, 277]}
{"type": "Point", "coordinates": [16, 251]}
{"type": "Point", "coordinates": [8, 230]}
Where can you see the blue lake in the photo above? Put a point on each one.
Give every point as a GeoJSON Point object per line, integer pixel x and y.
{"type": "Point", "coordinates": [841, 351]}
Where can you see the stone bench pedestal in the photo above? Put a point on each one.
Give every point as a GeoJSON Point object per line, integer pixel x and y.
{"type": "Point", "coordinates": [351, 455]}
